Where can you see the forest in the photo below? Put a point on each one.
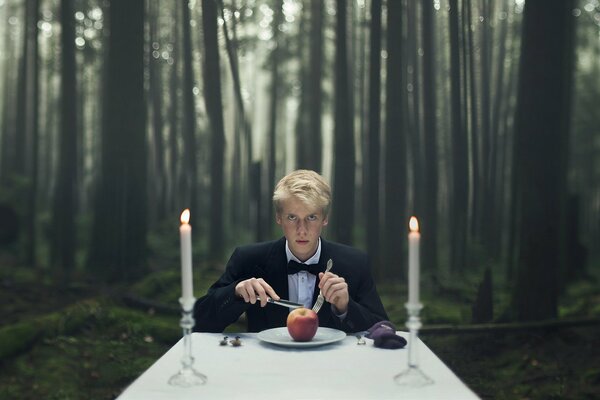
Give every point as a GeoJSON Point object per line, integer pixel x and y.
{"type": "Point", "coordinates": [477, 116]}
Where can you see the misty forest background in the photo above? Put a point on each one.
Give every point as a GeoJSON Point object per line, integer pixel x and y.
{"type": "Point", "coordinates": [477, 116]}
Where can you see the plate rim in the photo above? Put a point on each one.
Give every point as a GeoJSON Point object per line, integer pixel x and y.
{"type": "Point", "coordinates": [341, 336]}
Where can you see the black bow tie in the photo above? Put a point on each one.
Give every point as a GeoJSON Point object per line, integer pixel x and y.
{"type": "Point", "coordinates": [294, 267]}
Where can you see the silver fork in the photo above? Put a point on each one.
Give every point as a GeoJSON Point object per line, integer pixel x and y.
{"type": "Point", "coordinates": [320, 299]}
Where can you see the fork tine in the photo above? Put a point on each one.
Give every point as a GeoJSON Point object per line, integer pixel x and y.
{"type": "Point", "coordinates": [319, 303]}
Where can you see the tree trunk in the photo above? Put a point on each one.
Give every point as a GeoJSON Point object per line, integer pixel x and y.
{"type": "Point", "coordinates": [428, 223]}
{"type": "Point", "coordinates": [118, 243]}
{"type": "Point", "coordinates": [494, 228]}
{"type": "Point", "coordinates": [395, 149]}
{"type": "Point", "coordinates": [239, 205]}
{"type": "Point", "coordinates": [212, 98]}
{"type": "Point", "coordinates": [373, 186]}
{"type": "Point", "coordinates": [174, 204]}
{"type": "Point", "coordinates": [302, 146]}
{"type": "Point", "coordinates": [64, 206]}
{"type": "Point", "coordinates": [190, 165]}
{"type": "Point", "coordinates": [541, 155]}
{"type": "Point", "coordinates": [473, 107]}
{"type": "Point", "coordinates": [271, 149]}
{"type": "Point", "coordinates": [314, 87]}
{"type": "Point", "coordinates": [344, 156]}
{"type": "Point", "coordinates": [157, 165]}
{"type": "Point", "coordinates": [460, 173]}
{"type": "Point", "coordinates": [33, 110]}
{"type": "Point", "coordinates": [21, 133]}
{"type": "Point", "coordinates": [485, 209]}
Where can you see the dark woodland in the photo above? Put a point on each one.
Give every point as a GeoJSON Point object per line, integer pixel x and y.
{"type": "Point", "coordinates": [479, 117]}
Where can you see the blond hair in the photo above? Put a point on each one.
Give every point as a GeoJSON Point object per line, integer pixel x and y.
{"type": "Point", "coordinates": [305, 185]}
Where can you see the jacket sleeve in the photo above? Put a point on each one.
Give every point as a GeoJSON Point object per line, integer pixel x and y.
{"type": "Point", "coordinates": [220, 307]}
{"type": "Point", "coordinates": [364, 307]}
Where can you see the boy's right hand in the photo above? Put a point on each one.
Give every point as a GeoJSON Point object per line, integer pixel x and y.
{"type": "Point", "coordinates": [252, 288]}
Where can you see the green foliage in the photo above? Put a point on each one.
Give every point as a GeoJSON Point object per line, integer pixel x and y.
{"type": "Point", "coordinates": [97, 347]}
{"type": "Point", "coordinates": [553, 364]}
{"type": "Point", "coordinates": [582, 297]}
{"type": "Point", "coordinates": [165, 285]}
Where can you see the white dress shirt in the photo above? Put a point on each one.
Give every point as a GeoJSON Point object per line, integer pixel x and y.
{"type": "Point", "coordinates": [301, 285]}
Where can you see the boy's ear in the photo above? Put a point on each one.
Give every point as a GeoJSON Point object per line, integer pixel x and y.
{"type": "Point", "coordinates": [325, 221]}
{"type": "Point", "coordinates": [278, 218]}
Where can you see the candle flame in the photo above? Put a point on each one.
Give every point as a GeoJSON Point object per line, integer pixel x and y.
{"type": "Point", "coordinates": [185, 216]}
{"type": "Point", "coordinates": [413, 224]}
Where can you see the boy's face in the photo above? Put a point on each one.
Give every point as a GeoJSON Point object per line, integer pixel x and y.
{"type": "Point", "coordinates": [301, 226]}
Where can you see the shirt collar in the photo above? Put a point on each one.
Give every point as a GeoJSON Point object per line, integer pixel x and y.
{"type": "Point", "coordinates": [313, 260]}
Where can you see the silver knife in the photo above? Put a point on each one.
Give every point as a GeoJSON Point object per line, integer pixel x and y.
{"type": "Point", "coordinates": [284, 303]}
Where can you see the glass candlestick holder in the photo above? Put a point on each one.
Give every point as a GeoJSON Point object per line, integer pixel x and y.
{"type": "Point", "coordinates": [413, 376]}
{"type": "Point", "coordinates": [187, 375]}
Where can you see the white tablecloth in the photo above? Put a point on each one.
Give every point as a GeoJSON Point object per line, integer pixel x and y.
{"type": "Point", "coordinates": [258, 370]}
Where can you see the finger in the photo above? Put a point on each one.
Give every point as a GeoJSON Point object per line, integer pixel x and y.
{"type": "Point", "coordinates": [328, 280]}
{"type": "Point", "coordinates": [324, 277]}
{"type": "Point", "coordinates": [334, 287]}
{"type": "Point", "coordinates": [241, 291]}
{"type": "Point", "coordinates": [251, 290]}
{"type": "Point", "coordinates": [249, 295]}
{"type": "Point", "coordinates": [259, 289]}
{"type": "Point", "coordinates": [338, 291]}
{"type": "Point", "coordinates": [340, 298]}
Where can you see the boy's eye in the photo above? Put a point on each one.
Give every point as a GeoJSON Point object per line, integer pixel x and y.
{"type": "Point", "coordinates": [291, 217]}
{"type": "Point", "coordinates": [311, 218]}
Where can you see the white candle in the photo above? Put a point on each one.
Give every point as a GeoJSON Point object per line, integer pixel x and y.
{"type": "Point", "coordinates": [185, 235]}
{"type": "Point", "coordinates": [414, 238]}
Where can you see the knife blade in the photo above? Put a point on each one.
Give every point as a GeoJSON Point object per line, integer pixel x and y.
{"type": "Point", "coordinates": [284, 303]}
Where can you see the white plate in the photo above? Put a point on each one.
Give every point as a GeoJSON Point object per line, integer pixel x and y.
{"type": "Point", "coordinates": [281, 337]}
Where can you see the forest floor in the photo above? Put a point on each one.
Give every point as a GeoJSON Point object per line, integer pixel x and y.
{"type": "Point", "coordinates": [86, 342]}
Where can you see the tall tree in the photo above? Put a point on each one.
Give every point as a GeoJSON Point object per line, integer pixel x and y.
{"type": "Point", "coordinates": [314, 86]}
{"type": "Point", "coordinates": [344, 152]}
{"type": "Point", "coordinates": [472, 104]}
{"type": "Point", "coordinates": [32, 9]}
{"type": "Point", "coordinates": [157, 205]}
{"type": "Point", "coordinates": [190, 164]}
{"type": "Point", "coordinates": [429, 217]}
{"type": "Point", "coordinates": [460, 172]}
{"type": "Point", "coordinates": [64, 205]}
{"type": "Point", "coordinates": [22, 112]}
{"type": "Point", "coordinates": [484, 151]}
{"type": "Point", "coordinates": [173, 177]}
{"type": "Point", "coordinates": [271, 150]}
{"type": "Point", "coordinates": [242, 142]}
{"type": "Point", "coordinates": [118, 242]}
{"type": "Point", "coordinates": [309, 141]}
{"type": "Point", "coordinates": [373, 138]}
{"type": "Point", "coordinates": [10, 71]}
{"type": "Point", "coordinates": [493, 230]}
{"type": "Point", "coordinates": [212, 98]}
{"type": "Point", "coordinates": [302, 150]}
{"type": "Point", "coordinates": [395, 146]}
{"type": "Point", "coordinates": [541, 149]}
{"type": "Point", "coordinates": [412, 107]}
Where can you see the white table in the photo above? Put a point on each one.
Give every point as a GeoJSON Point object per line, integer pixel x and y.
{"type": "Point", "coordinates": [259, 370]}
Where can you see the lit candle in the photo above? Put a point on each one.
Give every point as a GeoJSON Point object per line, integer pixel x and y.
{"type": "Point", "coordinates": [413, 261]}
{"type": "Point", "coordinates": [185, 235]}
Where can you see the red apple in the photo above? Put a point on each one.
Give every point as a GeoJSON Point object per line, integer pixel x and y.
{"type": "Point", "coordinates": [302, 324]}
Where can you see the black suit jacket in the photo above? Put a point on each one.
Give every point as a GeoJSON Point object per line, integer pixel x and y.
{"type": "Point", "coordinates": [220, 307]}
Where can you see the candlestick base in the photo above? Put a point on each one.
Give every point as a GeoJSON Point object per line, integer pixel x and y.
{"type": "Point", "coordinates": [413, 377]}
{"type": "Point", "coordinates": [187, 375]}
